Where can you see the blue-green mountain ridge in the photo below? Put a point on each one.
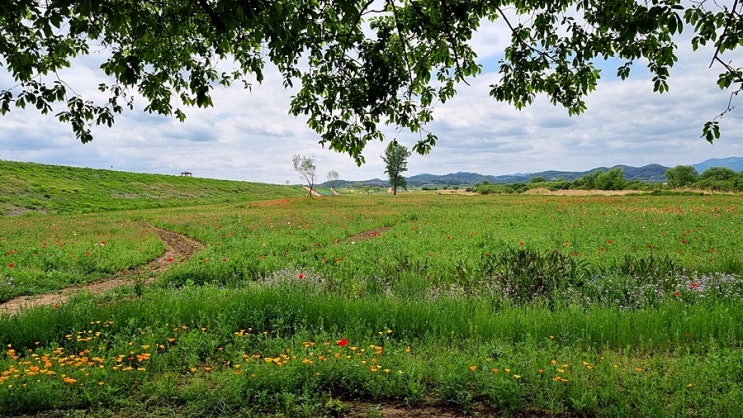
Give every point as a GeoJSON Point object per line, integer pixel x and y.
{"type": "Point", "coordinates": [646, 173]}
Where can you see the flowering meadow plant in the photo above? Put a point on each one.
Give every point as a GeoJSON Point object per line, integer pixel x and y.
{"type": "Point", "coordinates": [565, 306]}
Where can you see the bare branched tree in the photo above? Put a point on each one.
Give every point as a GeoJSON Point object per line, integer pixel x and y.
{"type": "Point", "coordinates": [306, 168]}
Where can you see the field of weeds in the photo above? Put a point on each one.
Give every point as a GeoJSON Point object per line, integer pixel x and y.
{"type": "Point", "coordinates": [541, 305]}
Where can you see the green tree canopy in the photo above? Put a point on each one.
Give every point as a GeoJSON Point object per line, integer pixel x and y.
{"type": "Point", "coordinates": [719, 178]}
{"type": "Point", "coordinates": [358, 64]}
{"type": "Point", "coordinates": [537, 179]}
{"type": "Point", "coordinates": [610, 180]}
{"type": "Point", "coordinates": [396, 162]}
{"type": "Point", "coordinates": [588, 181]}
{"type": "Point", "coordinates": [681, 176]}
{"type": "Point", "coordinates": [718, 173]}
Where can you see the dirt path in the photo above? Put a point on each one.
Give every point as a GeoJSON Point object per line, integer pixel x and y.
{"type": "Point", "coordinates": [314, 192]}
{"type": "Point", "coordinates": [178, 249]}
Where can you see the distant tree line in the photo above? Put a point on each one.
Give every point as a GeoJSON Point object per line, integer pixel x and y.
{"type": "Point", "coordinates": [713, 178]}
{"type": "Point", "coordinates": [679, 177]}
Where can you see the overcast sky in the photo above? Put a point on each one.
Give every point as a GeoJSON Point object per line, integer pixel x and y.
{"type": "Point", "coordinates": [248, 135]}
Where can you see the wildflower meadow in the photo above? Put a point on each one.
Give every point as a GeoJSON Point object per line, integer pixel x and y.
{"type": "Point", "coordinates": [350, 305]}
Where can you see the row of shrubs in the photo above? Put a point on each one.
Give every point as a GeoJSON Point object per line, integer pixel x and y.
{"type": "Point", "coordinates": [714, 178]}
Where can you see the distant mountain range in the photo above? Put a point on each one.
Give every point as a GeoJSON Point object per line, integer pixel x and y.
{"type": "Point", "coordinates": [647, 173]}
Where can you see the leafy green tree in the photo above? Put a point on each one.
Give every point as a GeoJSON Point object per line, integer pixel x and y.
{"type": "Point", "coordinates": [307, 170]}
{"type": "Point", "coordinates": [588, 182]}
{"type": "Point", "coordinates": [717, 178]}
{"type": "Point", "coordinates": [738, 182]}
{"type": "Point", "coordinates": [537, 179]}
{"type": "Point", "coordinates": [610, 180]}
{"type": "Point", "coordinates": [717, 173]}
{"type": "Point", "coordinates": [681, 176]}
{"type": "Point", "coordinates": [396, 160]}
{"type": "Point", "coordinates": [358, 64]}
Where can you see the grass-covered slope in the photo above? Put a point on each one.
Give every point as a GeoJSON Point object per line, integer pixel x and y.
{"type": "Point", "coordinates": [56, 189]}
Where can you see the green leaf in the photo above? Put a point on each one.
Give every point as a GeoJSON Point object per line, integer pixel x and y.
{"type": "Point", "coordinates": [711, 131]}
{"type": "Point", "coordinates": [356, 66]}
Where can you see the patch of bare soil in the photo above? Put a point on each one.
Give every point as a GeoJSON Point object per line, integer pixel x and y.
{"type": "Point", "coordinates": [12, 210]}
{"type": "Point", "coordinates": [360, 410]}
{"type": "Point", "coordinates": [365, 409]}
{"type": "Point", "coordinates": [275, 202]}
{"type": "Point", "coordinates": [373, 233]}
{"type": "Point", "coordinates": [314, 192]}
{"type": "Point", "coordinates": [178, 249]}
{"type": "Point", "coordinates": [455, 192]}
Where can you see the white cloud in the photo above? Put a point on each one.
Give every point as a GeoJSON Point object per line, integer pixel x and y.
{"type": "Point", "coordinates": [249, 135]}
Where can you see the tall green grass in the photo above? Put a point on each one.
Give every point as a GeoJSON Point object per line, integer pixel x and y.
{"type": "Point", "coordinates": [591, 306]}
{"type": "Point", "coordinates": [465, 354]}
{"type": "Point", "coordinates": [43, 253]}
{"type": "Point", "coordinates": [284, 311]}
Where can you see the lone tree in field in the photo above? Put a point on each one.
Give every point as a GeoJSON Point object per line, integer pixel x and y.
{"type": "Point", "coordinates": [333, 176]}
{"type": "Point", "coordinates": [306, 168]}
{"type": "Point", "coordinates": [355, 64]}
{"type": "Point", "coordinates": [396, 159]}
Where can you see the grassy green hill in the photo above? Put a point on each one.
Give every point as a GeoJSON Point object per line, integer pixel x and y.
{"type": "Point", "coordinates": [28, 187]}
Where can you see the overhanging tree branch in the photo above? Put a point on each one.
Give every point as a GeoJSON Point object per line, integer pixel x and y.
{"type": "Point", "coordinates": [724, 33]}
{"type": "Point", "coordinates": [356, 77]}
{"type": "Point", "coordinates": [213, 16]}
{"type": "Point", "coordinates": [403, 45]}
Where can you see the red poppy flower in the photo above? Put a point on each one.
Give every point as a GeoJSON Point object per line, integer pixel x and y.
{"type": "Point", "coordinates": [300, 276]}
{"type": "Point", "coordinates": [11, 265]}
{"type": "Point", "coordinates": [342, 342]}
{"type": "Point", "coordinates": [694, 285]}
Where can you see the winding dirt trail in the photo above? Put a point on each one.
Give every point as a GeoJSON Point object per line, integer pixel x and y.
{"type": "Point", "coordinates": [178, 249]}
